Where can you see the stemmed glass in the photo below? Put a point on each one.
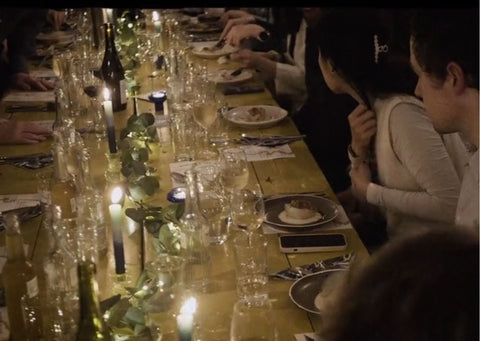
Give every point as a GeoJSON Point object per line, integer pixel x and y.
{"type": "Point", "coordinates": [92, 86]}
{"type": "Point", "coordinates": [248, 209]}
{"type": "Point", "coordinates": [205, 114]}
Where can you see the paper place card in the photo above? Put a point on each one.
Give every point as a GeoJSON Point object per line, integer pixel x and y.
{"type": "Point", "coordinates": [307, 337]}
{"type": "Point", "coordinates": [11, 202]}
{"type": "Point", "coordinates": [30, 96]}
{"type": "Point", "coordinates": [181, 167]}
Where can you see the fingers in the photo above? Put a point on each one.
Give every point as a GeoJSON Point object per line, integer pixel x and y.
{"type": "Point", "coordinates": [30, 138]}
{"type": "Point", "coordinates": [32, 127]}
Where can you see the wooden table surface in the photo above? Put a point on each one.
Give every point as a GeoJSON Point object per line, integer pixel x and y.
{"type": "Point", "coordinates": [288, 175]}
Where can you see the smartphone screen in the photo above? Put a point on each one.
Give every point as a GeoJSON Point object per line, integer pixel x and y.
{"type": "Point", "coordinates": [312, 242]}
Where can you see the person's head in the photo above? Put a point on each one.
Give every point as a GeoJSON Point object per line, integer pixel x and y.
{"type": "Point", "coordinates": [419, 287]}
{"type": "Point", "coordinates": [356, 55]}
{"type": "Point", "coordinates": [311, 15]}
{"type": "Point", "coordinates": [444, 55]}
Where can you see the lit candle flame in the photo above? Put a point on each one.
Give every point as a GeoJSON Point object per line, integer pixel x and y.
{"type": "Point", "coordinates": [106, 94]}
{"type": "Point", "coordinates": [117, 194]}
{"type": "Point", "coordinates": [189, 306]}
{"type": "Point", "coordinates": [155, 16]}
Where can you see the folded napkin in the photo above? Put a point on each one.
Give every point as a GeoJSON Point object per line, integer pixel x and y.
{"type": "Point", "coordinates": [261, 153]}
{"type": "Point", "coordinates": [341, 262]}
{"type": "Point", "coordinates": [9, 202]}
{"type": "Point", "coordinates": [268, 141]}
{"type": "Point", "coordinates": [30, 96]}
{"type": "Point", "coordinates": [33, 161]}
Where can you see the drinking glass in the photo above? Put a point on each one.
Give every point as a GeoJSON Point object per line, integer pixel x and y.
{"type": "Point", "coordinates": [234, 172]}
{"type": "Point", "coordinates": [211, 202]}
{"type": "Point", "coordinates": [205, 114]}
{"type": "Point", "coordinates": [248, 209]}
{"type": "Point", "coordinates": [92, 86]}
{"type": "Point", "coordinates": [253, 320]}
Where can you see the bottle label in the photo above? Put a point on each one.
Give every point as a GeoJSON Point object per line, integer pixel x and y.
{"type": "Point", "coordinates": [32, 287]}
{"type": "Point", "coordinates": [123, 91]}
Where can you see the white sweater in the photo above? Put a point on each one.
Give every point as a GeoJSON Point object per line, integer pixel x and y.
{"type": "Point", "coordinates": [418, 185]}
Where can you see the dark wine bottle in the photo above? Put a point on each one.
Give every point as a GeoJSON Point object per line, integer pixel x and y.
{"type": "Point", "coordinates": [92, 326]}
{"type": "Point", "coordinates": [112, 71]}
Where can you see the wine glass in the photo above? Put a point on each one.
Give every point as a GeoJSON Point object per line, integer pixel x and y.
{"type": "Point", "coordinates": [248, 209]}
{"type": "Point", "coordinates": [234, 172]}
{"type": "Point", "coordinates": [253, 320]}
{"type": "Point", "coordinates": [92, 86]}
{"type": "Point", "coordinates": [205, 114]}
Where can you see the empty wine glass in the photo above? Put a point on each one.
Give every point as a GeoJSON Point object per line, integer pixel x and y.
{"type": "Point", "coordinates": [248, 209]}
{"type": "Point", "coordinates": [253, 320]}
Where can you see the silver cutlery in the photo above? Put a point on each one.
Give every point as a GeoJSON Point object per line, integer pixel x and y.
{"type": "Point", "coordinates": [269, 141]}
{"type": "Point", "coordinates": [237, 72]}
{"type": "Point", "coordinates": [220, 43]}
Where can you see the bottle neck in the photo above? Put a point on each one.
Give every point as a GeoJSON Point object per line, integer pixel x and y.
{"type": "Point", "coordinates": [14, 239]}
{"type": "Point", "coordinates": [109, 37]}
{"type": "Point", "coordinates": [88, 291]}
{"type": "Point", "coordinates": [60, 165]}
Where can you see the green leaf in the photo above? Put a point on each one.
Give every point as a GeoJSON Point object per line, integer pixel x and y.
{"type": "Point", "coordinates": [117, 312]}
{"type": "Point", "coordinates": [147, 119]}
{"type": "Point", "coordinates": [135, 316]}
{"type": "Point", "coordinates": [149, 184]}
{"type": "Point", "coordinates": [136, 214]}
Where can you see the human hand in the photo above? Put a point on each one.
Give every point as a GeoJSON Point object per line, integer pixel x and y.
{"type": "Point", "coordinates": [24, 81]}
{"type": "Point", "coordinates": [232, 14]}
{"type": "Point", "coordinates": [360, 176]}
{"type": "Point", "coordinates": [247, 57]}
{"type": "Point", "coordinates": [248, 19]}
{"type": "Point", "coordinates": [22, 132]}
{"type": "Point", "coordinates": [363, 126]}
{"type": "Point", "coordinates": [56, 18]}
{"type": "Point", "coordinates": [241, 32]}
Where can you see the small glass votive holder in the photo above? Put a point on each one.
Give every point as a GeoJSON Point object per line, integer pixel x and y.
{"type": "Point", "coordinates": [158, 98]}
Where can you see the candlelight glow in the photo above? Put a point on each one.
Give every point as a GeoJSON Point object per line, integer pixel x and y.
{"type": "Point", "coordinates": [158, 94]}
{"type": "Point", "coordinates": [117, 194]}
{"type": "Point", "coordinates": [106, 94]}
{"type": "Point", "coordinates": [155, 16]}
{"type": "Point", "coordinates": [189, 306]}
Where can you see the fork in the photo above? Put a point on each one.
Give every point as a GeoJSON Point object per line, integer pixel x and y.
{"type": "Point", "coordinates": [220, 44]}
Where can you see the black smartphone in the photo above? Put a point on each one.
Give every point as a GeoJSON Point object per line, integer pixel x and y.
{"type": "Point", "coordinates": [318, 242]}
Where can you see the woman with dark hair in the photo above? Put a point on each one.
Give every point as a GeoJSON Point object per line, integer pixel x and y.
{"type": "Point", "coordinates": [399, 163]}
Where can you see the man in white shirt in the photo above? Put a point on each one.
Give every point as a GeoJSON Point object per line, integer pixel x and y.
{"type": "Point", "coordinates": [444, 55]}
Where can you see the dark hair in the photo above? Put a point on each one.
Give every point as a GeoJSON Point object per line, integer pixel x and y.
{"type": "Point", "coordinates": [346, 39]}
{"type": "Point", "coordinates": [441, 36]}
{"type": "Point", "coordinates": [420, 287]}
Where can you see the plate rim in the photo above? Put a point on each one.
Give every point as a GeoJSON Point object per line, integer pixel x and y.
{"type": "Point", "coordinates": [322, 272]}
{"type": "Point", "coordinates": [304, 227]}
{"type": "Point", "coordinates": [217, 80]}
{"type": "Point", "coordinates": [212, 55]}
{"type": "Point", "coordinates": [283, 114]}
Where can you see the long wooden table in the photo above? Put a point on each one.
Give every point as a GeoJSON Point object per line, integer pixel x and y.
{"type": "Point", "coordinates": [289, 175]}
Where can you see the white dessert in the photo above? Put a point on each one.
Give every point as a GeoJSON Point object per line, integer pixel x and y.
{"type": "Point", "coordinates": [299, 212]}
{"type": "Point", "coordinates": [330, 288]}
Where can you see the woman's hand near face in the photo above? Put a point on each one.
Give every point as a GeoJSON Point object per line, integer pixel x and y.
{"type": "Point", "coordinates": [363, 126]}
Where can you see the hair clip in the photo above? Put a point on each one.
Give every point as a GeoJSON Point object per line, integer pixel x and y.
{"type": "Point", "coordinates": [378, 48]}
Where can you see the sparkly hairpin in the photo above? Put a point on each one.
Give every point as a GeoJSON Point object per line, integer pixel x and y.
{"type": "Point", "coordinates": [378, 48]}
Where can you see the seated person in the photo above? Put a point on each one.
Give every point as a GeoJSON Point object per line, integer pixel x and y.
{"type": "Point", "coordinates": [418, 287]}
{"type": "Point", "coordinates": [401, 168]}
{"type": "Point", "coordinates": [444, 55]}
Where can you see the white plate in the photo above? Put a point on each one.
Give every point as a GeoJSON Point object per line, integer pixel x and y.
{"type": "Point", "coordinates": [305, 290]}
{"type": "Point", "coordinates": [241, 117]}
{"type": "Point", "coordinates": [199, 51]}
{"type": "Point", "coordinates": [223, 76]}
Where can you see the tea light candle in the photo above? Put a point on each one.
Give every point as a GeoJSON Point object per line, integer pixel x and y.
{"type": "Point", "coordinates": [115, 210]}
{"type": "Point", "coordinates": [108, 109]}
{"type": "Point", "coordinates": [158, 97]}
{"type": "Point", "coordinates": [156, 22]}
{"type": "Point", "coordinates": [185, 319]}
